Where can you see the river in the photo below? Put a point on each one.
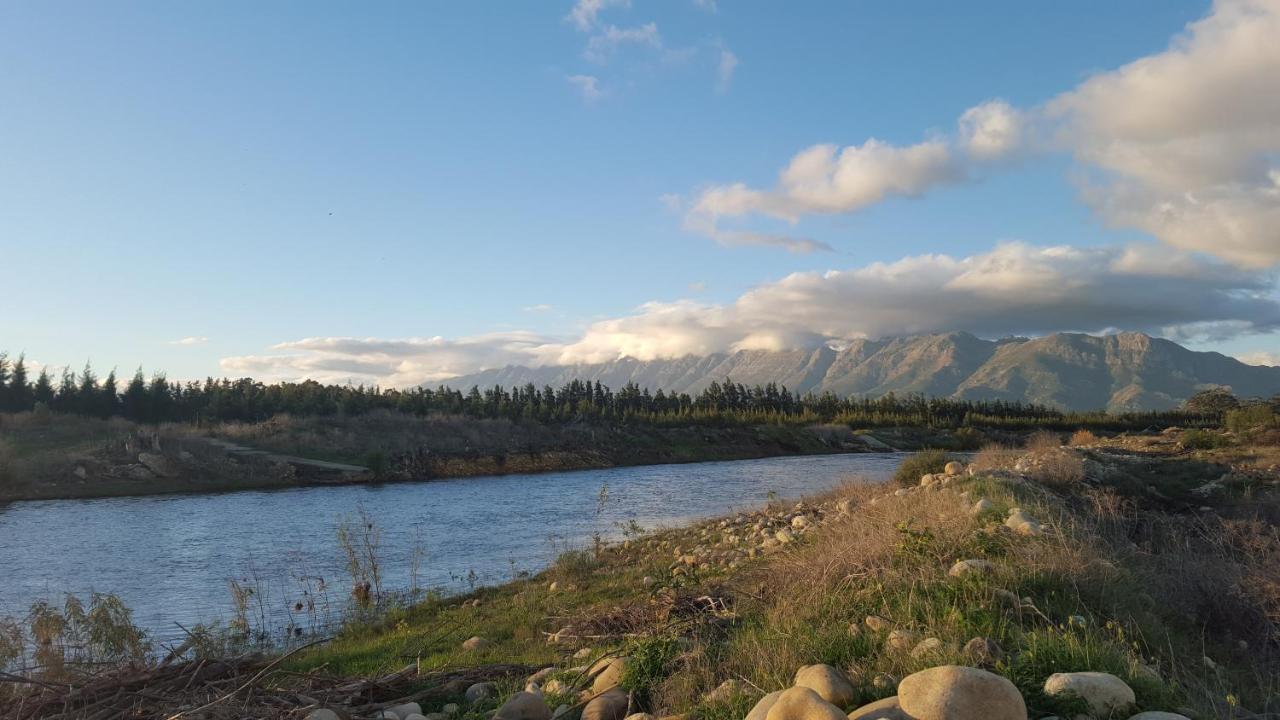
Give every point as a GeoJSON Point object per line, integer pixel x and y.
{"type": "Point", "coordinates": [171, 557]}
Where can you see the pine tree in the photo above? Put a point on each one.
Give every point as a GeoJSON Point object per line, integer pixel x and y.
{"type": "Point", "coordinates": [43, 391]}
{"type": "Point", "coordinates": [134, 402]}
{"type": "Point", "coordinates": [87, 396]}
{"type": "Point", "coordinates": [19, 392]}
{"type": "Point", "coordinates": [109, 398]}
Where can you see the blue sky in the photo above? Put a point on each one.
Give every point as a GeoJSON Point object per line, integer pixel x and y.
{"type": "Point", "coordinates": [245, 175]}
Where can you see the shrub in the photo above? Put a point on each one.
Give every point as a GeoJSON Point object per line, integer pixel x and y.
{"type": "Point", "coordinates": [1253, 417]}
{"type": "Point", "coordinates": [1204, 440]}
{"type": "Point", "coordinates": [921, 463]}
{"type": "Point", "coordinates": [1060, 468]}
{"type": "Point", "coordinates": [996, 457]}
{"type": "Point", "coordinates": [1044, 441]}
{"type": "Point", "coordinates": [1082, 437]}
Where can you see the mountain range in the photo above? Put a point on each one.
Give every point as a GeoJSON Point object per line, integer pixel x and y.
{"type": "Point", "coordinates": [1122, 372]}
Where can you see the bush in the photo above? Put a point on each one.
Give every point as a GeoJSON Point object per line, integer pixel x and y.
{"type": "Point", "coordinates": [921, 463]}
{"type": "Point", "coordinates": [1060, 468]}
{"type": "Point", "coordinates": [1253, 417]}
{"type": "Point", "coordinates": [1204, 440]}
{"type": "Point", "coordinates": [1044, 441]}
{"type": "Point", "coordinates": [996, 457]}
{"type": "Point", "coordinates": [1082, 437]}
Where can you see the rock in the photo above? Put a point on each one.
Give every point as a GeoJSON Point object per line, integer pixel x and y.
{"type": "Point", "coordinates": [322, 714]}
{"type": "Point", "coordinates": [554, 586]}
{"type": "Point", "coordinates": [1158, 715]}
{"type": "Point", "coordinates": [784, 536]}
{"type": "Point", "coordinates": [875, 622]}
{"type": "Point", "coordinates": [724, 691]}
{"type": "Point", "coordinates": [611, 705]}
{"type": "Point", "coordinates": [139, 472]}
{"type": "Point", "coordinates": [1023, 523]}
{"type": "Point", "coordinates": [404, 710]}
{"type": "Point", "coordinates": [953, 692]}
{"type": "Point", "coordinates": [524, 706]}
{"type": "Point", "coordinates": [555, 686]}
{"type": "Point", "coordinates": [799, 522]}
{"type": "Point", "coordinates": [953, 468]}
{"type": "Point", "coordinates": [560, 710]}
{"type": "Point", "coordinates": [640, 716]}
{"type": "Point", "coordinates": [982, 506]}
{"type": "Point", "coordinates": [801, 703]}
{"type": "Point", "coordinates": [901, 640]}
{"type": "Point", "coordinates": [157, 464]}
{"type": "Point", "coordinates": [886, 709]}
{"type": "Point", "coordinates": [1105, 694]}
{"type": "Point", "coordinates": [971, 568]}
{"type": "Point", "coordinates": [845, 506]}
{"type": "Point", "coordinates": [983, 652]}
{"type": "Point", "coordinates": [606, 674]}
{"type": "Point", "coordinates": [479, 692]}
{"type": "Point", "coordinates": [582, 653]}
{"type": "Point", "coordinates": [83, 474]}
{"type": "Point", "coordinates": [926, 648]}
{"type": "Point", "coordinates": [541, 676]}
{"type": "Point", "coordinates": [474, 643]}
{"type": "Point", "coordinates": [761, 709]}
{"type": "Point", "coordinates": [417, 716]}
{"type": "Point", "coordinates": [830, 684]}
{"type": "Point", "coordinates": [386, 715]}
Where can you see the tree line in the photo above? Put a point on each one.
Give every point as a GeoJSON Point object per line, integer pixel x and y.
{"type": "Point", "coordinates": [156, 399]}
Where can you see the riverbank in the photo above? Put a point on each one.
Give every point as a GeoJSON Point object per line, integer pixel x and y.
{"type": "Point", "coordinates": [52, 456]}
{"type": "Point", "coordinates": [1153, 561]}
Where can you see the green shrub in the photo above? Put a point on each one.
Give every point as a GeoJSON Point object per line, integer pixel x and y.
{"type": "Point", "coordinates": [1253, 417]}
{"type": "Point", "coordinates": [1204, 440]}
{"type": "Point", "coordinates": [649, 663]}
{"type": "Point", "coordinates": [922, 463]}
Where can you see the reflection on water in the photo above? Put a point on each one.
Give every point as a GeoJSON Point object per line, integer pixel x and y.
{"type": "Point", "coordinates": [170, 557]}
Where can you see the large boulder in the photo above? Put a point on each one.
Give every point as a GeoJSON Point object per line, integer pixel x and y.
{"type": "Point", "coordinates": [474, 643]}
{"type": "Point", "coordinates": [830, 684]}
{"type": "Point", "coordinates": [1105, 694]}
{"type": "Point", "coordinates": [953, 692]}
{"type": "Point", "coordinates": [972, 568]}
{"type": "Point", "coordinates": [953, 468]}
{"type": "Point", "coordinates": [1022, 523]}
{"type": "Point", "coordinates": [606, 674]}
{"type": "Point", "coordinates": [801, 703]}
{"type": "Point", "coordinates": [761, 709]}
{"type": "Point", "coordinates": [404, 710]}
{"type": "Point", "coordinates": [610, 705]}
{"type": "Point", "coordinates": [157, 464]}
{"type": "Point", "coordinates": [524, 706]}
{"type": "Point", "coordinates": [886, 709]}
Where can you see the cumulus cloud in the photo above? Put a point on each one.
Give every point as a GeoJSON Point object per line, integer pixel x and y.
{"type": "Point", "coordinates": [1181, 144]}
{"type": "Point", "coordinates": [1013, 289]}
{"type": "Point", "coordinates": [190, 341]}
{"type": "Point", "coordinates": [1185, 141]}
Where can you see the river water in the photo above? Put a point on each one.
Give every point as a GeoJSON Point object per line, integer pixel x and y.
{"type": "Point", "coordinates": [171, 557]}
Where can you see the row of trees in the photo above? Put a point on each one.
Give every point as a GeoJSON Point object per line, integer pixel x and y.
{"type": "Point", "coordinates": [158, 400]}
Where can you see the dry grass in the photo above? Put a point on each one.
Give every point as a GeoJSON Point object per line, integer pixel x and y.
{"type": "Point", "coordinates": [1082, 437]}
{"type": "Point", "coordinates": [1043, 441]}
{"type": "Point", "coordinates": [996, 457]}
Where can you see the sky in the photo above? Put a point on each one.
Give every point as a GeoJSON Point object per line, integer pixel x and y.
{"type": "Point", "coordinates": [404, 192]}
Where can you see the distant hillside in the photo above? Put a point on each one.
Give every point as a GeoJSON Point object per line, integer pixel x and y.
{"type": "Point", "coordinates": [1128, 371]}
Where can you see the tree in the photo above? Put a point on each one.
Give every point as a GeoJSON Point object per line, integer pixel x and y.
{"type": "Point", "coordinates": [87, 396]}
{"type": "Point", "coordinates": [18, 395]}
{"type": "Point", "coordinates": [65, 400]}
{"type": "Point", "coordinates": [109, 398]}
{"type": "Point", "coordinates": [134, 402]}
{"type": "Point", "coordinates": [1213, 401]}
{"type": "Point", "coordinates": [43, 391]}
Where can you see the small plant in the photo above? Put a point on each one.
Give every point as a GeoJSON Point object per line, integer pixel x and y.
{"type": "Point", "coordinates": [1082, 437]}
{"type": "Point", "coordinates": [649, 663]}
{"type": "Point", "coordinates": [1044, 441]}
{"type": "Point", "coordinates": [996, 457]}
{"type": "Point", "coordinates": [1250, 418]}
{"type": "Point", "coordinates": [921, 463]}
{"type": "Point", "coordinates": [361, 542]}
{"type": "Point", "coordinates": [1204, 440]}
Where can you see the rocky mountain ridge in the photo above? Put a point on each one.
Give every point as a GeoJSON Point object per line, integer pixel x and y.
{"type": "Point", "coordinates": [1121, 372]}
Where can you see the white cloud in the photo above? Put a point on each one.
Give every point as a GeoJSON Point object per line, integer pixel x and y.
{"type": "Point", "coordinates": [602, 45]}
{"type": "Point", "coordinates": [1183, 144]}
{"type": "Point", "coordinates": [540, 308]}
{"type": "Point", "coordinates": [708, 5]}
{"type": "Point", "coordinates": [1015, 288]}
{"type": "Point", "coordinates": [588, 86]}
{"type": "Point", "coordinates": [724, 70]}
{"type": "Point", "coordinates": [190, 341]}
{"type": "Point", "coordinates": [585, 12]}
{"type": "Point", "coordinates": [1260, 357]}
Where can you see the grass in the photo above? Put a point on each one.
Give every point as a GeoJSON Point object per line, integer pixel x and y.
{"type": "Point", "coordinates": [1109, 587]}
{"type": "Point", "coordinates": [924, 462]}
